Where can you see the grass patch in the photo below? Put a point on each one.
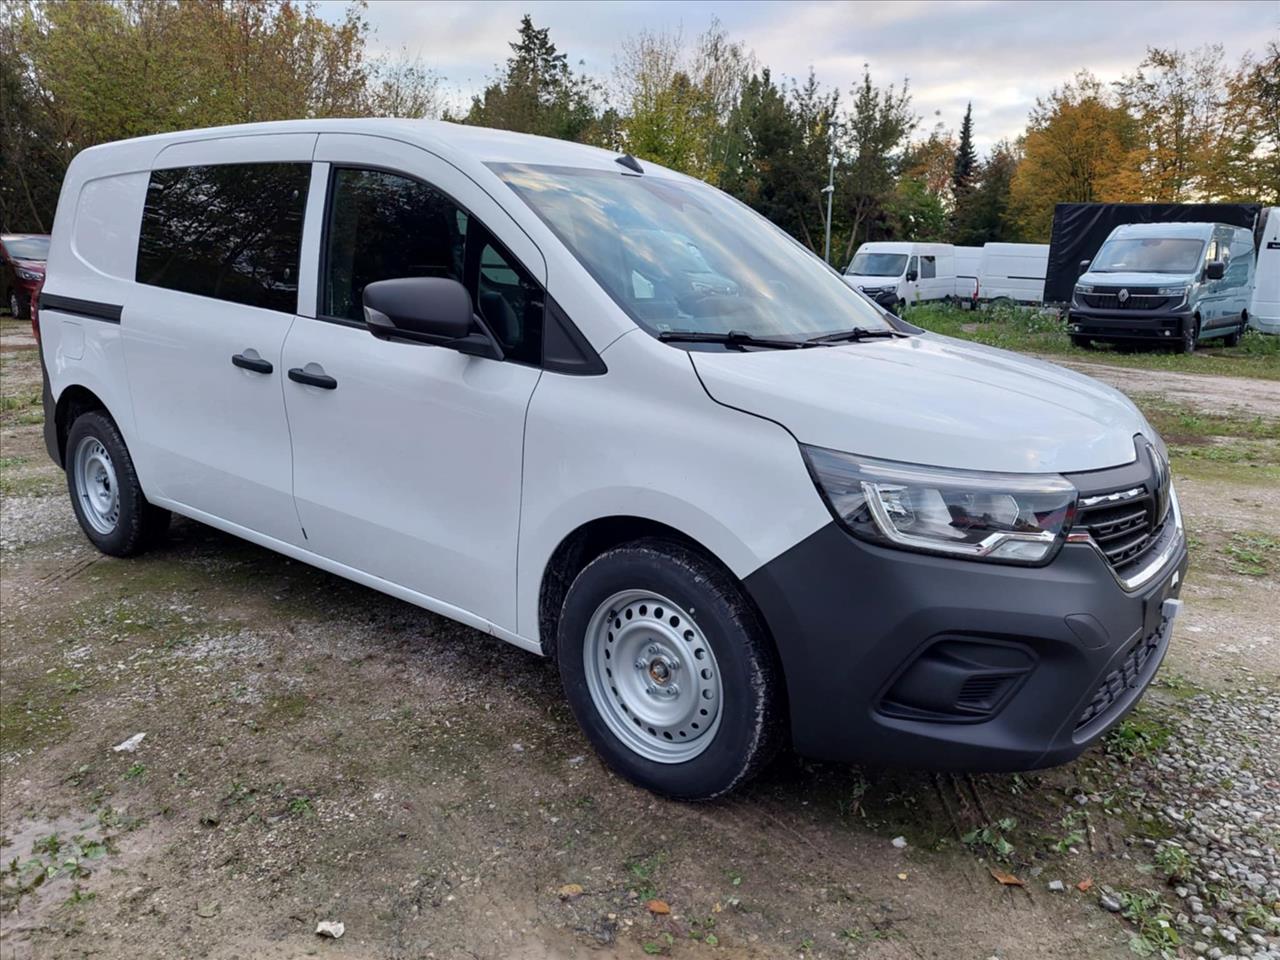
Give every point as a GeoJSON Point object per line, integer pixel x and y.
{"type": "Point", "coordinates": [1252, 554]}
{"type": "Point", "coordinates": [1041, 331]}
{"type": "Point", "coordinates": [1138, 735]}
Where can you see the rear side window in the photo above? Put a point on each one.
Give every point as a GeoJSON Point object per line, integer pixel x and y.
{"type": "Point", "coordinates": [230, 231]}
{"type": "Point", "coordinates": [928, 268]}
{"type": "Point", "coordinates": [384, 226]}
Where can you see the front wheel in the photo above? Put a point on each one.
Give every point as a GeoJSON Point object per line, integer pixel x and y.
{"type": "Point", "coordinates": [105, 492]}
{"type": "Point", "coordinates": [1191, 335]}
{"type": "Point", "coordinates": [15, 305]}
{"type": "Point", "coordinates": [1084, 343]}
{"type": "Point", "coordinates": [668, 670]}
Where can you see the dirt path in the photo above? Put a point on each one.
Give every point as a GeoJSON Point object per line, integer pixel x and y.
{"type": "Point", "coordinates": [1203, 391]}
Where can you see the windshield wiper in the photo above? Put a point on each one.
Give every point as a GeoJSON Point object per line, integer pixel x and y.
{"type": "Point", "coordinates": [855, 335]}
{"type": "Point", "coordinates": [733, 338]}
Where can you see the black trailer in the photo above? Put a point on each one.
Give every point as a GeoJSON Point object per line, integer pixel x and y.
{"type": "Point", "coordinates": [1080, 228]}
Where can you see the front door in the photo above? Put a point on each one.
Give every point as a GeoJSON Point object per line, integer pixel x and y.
{"type": "Point", "coordinates": [203, 330]}
{"type": "Point", "coordinates": [407, 458]}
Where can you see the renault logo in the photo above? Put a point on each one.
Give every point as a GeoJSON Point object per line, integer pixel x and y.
{"type": "Point", "coordinates": [1124, 295]}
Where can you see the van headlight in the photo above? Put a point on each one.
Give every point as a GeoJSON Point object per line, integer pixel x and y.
{"type": "Point", "coordinates": [1180, 291]}
{"type": "Point", "coordinates": [1002, 517]}
{"type": "Point", "coordinates": [1084, 288]}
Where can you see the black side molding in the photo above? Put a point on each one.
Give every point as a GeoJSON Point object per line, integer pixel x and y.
{"type": "Point", "coordinates": [93, 309]}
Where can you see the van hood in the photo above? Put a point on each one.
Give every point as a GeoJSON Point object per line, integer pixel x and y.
{"type": "Point", "coordinates": [871, 283]}
{"type": "Point", "coordinates": [1137, 279]}
{"type": "Point", "coordinates": [933, 400]}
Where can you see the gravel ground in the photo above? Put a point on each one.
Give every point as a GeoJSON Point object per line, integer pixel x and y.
{"type": "Point", "coordinates": [1215, 786]}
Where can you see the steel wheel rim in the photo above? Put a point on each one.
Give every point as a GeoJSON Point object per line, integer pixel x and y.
{"type": "Point", "coordinates": [652, 676]}
{"type": "Point", "coordinates": [96, 486]}
{"type": "Point", "coordinates": [13, 303]}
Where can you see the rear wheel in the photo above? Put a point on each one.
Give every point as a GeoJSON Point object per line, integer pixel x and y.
{"type": "Point", "coordinates": [669, 671]}
{"type": "Point", "coordinates": [1083, 342]}
{"type": "Point", "coordinates": [105, 492]}
{"type": "Point", "coordinates": [1232, 339]}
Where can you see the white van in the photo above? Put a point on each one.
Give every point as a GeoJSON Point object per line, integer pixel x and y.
{"type": "Point", "coordinates": [1264, 308]}
{"type": "Point", "coordinates": [1013, 272]}
{"type": "Point", "coordinates": [968, 261]}
{"type": "Point", "coordinates": [735, 502]}
{"type": "Point", "coordinates": [896, 273]}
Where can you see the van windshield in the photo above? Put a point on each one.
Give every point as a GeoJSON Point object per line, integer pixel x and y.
{"type": "Point", "coordinates": [682, 256]}
{"type": "Point", "coordinates": [1148, 255]}
{"type": "Point", "coordinates": [877, 264]}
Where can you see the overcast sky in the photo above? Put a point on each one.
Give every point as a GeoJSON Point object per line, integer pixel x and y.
{"type": "Point", "coordinates": [1000, 55]}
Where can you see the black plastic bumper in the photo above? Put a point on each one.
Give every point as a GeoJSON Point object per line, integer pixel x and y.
{"type": "Point", "coordinates": [50, 409]}
{"type": "Point", "coordinates": [1152, 325]}
{"type": "Point", "coordinates": [867, 634]}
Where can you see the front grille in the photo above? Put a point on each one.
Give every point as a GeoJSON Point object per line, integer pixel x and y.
{"type": "Point", "coordinates": [1137, 298]}
{"type": "Point", "coordinates": [1122, 678]}
{"type": "Point", "coordinates": [1120, 523]}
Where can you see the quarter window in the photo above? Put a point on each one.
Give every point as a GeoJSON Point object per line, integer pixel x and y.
{"type": "Point", "coordinates": [384, 226]}
{"type": "Point", "coordinates": [230, 231]}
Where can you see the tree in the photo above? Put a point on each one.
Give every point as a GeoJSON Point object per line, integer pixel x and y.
{"type": "Point", "coordinates": [872, 140]}
{"type": "Point", "coordinates": [985, 216]}
{"type": "Point", "coordinates": [1245, 165]}
{"type": "Point", "coordinates": [1077, 148]}
{"type": "Point", "coordinates": [966, 165]}
{"type": "Point", "coordinates": [80, 73]}
{"type": "Point", "coordinates": [676, 102]}
{"type": "Point", "coordinates": [1173, 100]}
{"type": "Point", "coordinates": [783, 148]}
{"type": "Point", "coordinates": [537, 92]}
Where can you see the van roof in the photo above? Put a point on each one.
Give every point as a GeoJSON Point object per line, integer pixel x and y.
{"type": "Point", "coordinates": [458, 143]}
{"type": "Point", "coordinates": [1198, 231]}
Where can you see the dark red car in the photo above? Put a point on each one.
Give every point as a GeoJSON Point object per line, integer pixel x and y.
{"type": "Point", "coordinates": [22, 258]}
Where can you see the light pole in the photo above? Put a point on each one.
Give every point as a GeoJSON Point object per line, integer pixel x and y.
{"type": "Point", "coordinates": [829, 190]}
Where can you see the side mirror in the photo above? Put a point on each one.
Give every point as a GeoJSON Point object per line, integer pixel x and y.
{"type": "Point", "coordinates": [911, 276]}
{"type": "Point", "coordinates": [1215, 269]}
{"type": "Point", "coordinates": [431, 310]}
{"type": "Point", "coordinates": [1084, 265]}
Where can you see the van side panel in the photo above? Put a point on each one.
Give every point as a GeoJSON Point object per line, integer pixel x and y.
{"type": "Point", "coordinates": [647, 441]}
{"type": "Point", "coordinates": [1264, 310]}
{"type": "Point", "coordinates": [90, 273]}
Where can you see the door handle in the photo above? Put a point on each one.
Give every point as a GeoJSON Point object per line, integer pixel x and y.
{"type": "Point", "coordinates": [256, 364]}
{"type": "Point", "coordinates": [321, 380]}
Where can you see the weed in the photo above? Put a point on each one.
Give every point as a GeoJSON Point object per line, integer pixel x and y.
{"type": "Point", "coordinates": [136, 772]}
{"type": "Point", "coordinates": [1173, 861]}
{"type": "Point", "coordinates": [991, 838]}
{"type": "Point", "coordinates": [1156, 934]}
{"type": "Point", "coordinates": [1137, 736]}
{"type": "Point", "coordinates": [301, 807]}
{"type": "Point", "coordinates": [641, 871]}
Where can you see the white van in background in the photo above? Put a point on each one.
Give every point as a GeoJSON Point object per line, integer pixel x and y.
{"type": "Point", "coordinates": [1264, 307]}
{"type": "Point", "coordinates": [1013, 271]}
{"type": "Point", "coordinates": [895, 273]}
{"type": "Point", "coordinates": [968, 260]}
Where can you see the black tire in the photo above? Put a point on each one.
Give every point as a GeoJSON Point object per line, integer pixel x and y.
{"type": "Point", "coordinates": [138, 525]}
{"type": "Point", "coordinates": [1232, 339]}
{"type": "Point", "coordinates": [1190, 336]}
{"type": "Point", "coordinates": [1083, 342]}
{"type": "Point", "coordinates": [752, 707]}
{"type": "Point", "coordinates": [15, 305]}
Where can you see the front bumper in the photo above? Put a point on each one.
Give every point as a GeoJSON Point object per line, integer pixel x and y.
{"type": "Point", "coordinates": [904, 659]}
{"type": "Point", "coordinates": [1156, 325]}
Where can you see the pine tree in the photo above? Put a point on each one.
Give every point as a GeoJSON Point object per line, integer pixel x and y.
{"type": "Point", "coordinates": [966, 157]}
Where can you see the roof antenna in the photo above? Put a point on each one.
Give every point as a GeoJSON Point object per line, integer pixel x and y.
{"type": "Point", "coordinates": [630, 162]}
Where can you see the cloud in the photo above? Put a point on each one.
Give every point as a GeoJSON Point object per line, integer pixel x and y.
{"type": "Point", "coordinates": [999, 55]}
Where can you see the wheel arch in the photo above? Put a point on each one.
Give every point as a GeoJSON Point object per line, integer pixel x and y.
{"type": "Point", "coordinates": [73, 401]}
{"type": "Point", "coordinates": [592, 538]}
